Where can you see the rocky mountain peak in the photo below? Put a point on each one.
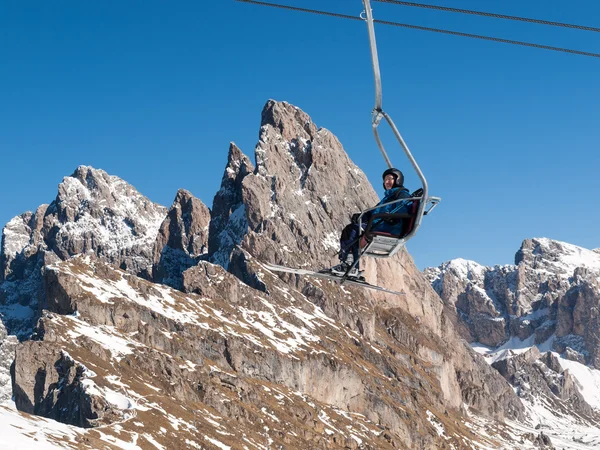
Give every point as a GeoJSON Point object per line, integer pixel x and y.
{"type": "Point", "coordinates": [304, 184]}
{"type": "Point", "coordinates": [556, 257]}
{"type": "Point", "coordinates": [238, 164]}
{"type": "Point", "coordinates": [292, 207]}
{"type": "Point", "coordinates": [228, 223]}
{"type": "Point", "coordinates": [186, 225]}
{"type": "Point", "coordinates": [290, 121]}
{"type": "Point", "coordinates": [93, 213]}
{"type": "Point", "coordinates": [458, 268]}
{"type": "Point", "coordinates": [182, 239]}
{"type": "Point", "coordinates": [102, 205]}
{"type": "Point", "coordinates": [550, 297]}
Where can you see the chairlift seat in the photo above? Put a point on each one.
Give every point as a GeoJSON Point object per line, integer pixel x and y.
{"type": "Point", "coordinates": [381, 243]}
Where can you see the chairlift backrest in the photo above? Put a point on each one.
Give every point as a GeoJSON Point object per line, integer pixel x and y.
{"type": "Point", "coordinates": [408, 224]}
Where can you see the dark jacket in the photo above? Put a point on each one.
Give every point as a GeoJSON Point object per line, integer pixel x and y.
{"type": "Point", "coordinates": [400, 207]}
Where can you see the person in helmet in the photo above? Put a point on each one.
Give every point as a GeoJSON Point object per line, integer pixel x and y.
{"type": "Point", "coordinates": [393, 184]}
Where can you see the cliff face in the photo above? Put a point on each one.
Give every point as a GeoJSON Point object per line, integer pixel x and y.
{"type": "Point", "coordinates": [290, 210]}
{"type": "Point", "coordinates": [232, 352]}
{"type": "Point", "coordinates": [182, 239]}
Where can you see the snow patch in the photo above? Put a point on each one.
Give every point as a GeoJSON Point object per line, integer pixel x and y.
{"type": "Point", "coordinates": [331, 241]}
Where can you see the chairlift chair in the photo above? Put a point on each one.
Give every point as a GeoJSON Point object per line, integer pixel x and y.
{"type": "Point", "coordinates": [379, 244]}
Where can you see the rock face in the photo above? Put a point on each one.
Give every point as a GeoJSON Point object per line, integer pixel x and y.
{"type": "Point", "coordinates": [552, 292]}
{"type": "Point", "coordinates": [228, 222]}
{"type": "Point", "coordinates": [303, 190]}
{"type": "Point", "coordinates": [93, 212]}
{"type": "Point", "coordinates": [103, 214]}
{"type": "Point", "coordinates": [120, 347]}
{"type": "Point", "coordinates": [59, 388]}
{"type": "Point", "coordinates": [482, 297]}
{"type": "Point", "coordinates": [548, 299]}
{"type": "Point", "coordinates": [237, 353]}
{"type": "Point", "coordinates": [182, 239]}
{"type": "Point", "coordinates": [22, 256]}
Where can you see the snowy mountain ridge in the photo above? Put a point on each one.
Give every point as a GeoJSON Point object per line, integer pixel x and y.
{"type": "Point", "coordinates": [93, 212]}
{"type": "Point", "coordinates": [544, 269]}
{"type": "Point", "coordinates": [558, 257]}
{"type": "Point", "coordinates": [555, 257]}
{"type": "Point", "coordinates": [546, 302]}
{"type": "Point", "coordinates": [90, 205]}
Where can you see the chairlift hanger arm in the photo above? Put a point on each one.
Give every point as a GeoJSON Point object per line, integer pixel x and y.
{"type": "Point", "coordinates": [368, 12]}
{"type": "Point", "coordinates": [379, 113]}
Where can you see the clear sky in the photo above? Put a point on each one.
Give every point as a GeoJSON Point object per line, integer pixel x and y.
{"type": "Point", "coordinates": [154, 91]}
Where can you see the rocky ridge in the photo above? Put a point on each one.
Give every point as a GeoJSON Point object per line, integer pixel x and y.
{"type": "Point", "coordinates": [548, 293]}
{"type": "Point", "coordinates": [293, 360]}
{"type": "Point", "coordinates": [549, 298]}
{"type": "Point", "coordinates": [182, 239]}
{"type": "Point", "coordinates": [93, 213]}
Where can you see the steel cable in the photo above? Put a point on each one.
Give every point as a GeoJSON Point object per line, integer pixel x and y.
{"type": "Point", "coordinates": [418, 27]}
{"type": "Point", "coordinates": [496, 16]}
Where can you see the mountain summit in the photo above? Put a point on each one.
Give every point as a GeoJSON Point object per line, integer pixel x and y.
{"type": "Point", "coordinates": [550, 293]}
{"type": "Point", "coordinates": [93, 213]}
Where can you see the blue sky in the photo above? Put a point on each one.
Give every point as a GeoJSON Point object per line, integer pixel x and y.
{"type": "Point", "coordinates": [154, 91]}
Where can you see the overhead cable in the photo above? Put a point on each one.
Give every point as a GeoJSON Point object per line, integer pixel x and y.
{"type": "Point", "coordinates": [496, 16]}
{"type": "Point", "coordinates": [417, 27]}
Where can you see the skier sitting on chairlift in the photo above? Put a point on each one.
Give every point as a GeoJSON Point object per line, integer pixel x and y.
{"type": "Point", "coordinates": [393, 183]}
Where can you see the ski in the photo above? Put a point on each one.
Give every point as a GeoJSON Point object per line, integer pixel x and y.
{"type": "Point", "coordinates": [330, 276]}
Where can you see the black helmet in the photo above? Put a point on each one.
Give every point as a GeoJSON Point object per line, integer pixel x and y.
{"type": "Point", "coordinates": [399, 176]}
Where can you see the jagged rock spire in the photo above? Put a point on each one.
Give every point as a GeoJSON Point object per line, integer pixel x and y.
{"type": "Point", "coordinates": [228, 223]}
{"type": "Point", "coordinates": [182, 239]}
{"type": "Point", "coordinates": [303, 190]}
